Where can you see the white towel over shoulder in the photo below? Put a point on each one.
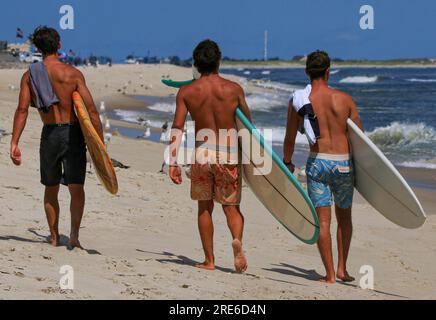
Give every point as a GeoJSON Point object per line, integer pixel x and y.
{"type": "Point", "coordinates": [302, 105]}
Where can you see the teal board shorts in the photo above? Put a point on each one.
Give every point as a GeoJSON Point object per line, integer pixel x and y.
{"type": "Point", "coordinates": [330, 177]}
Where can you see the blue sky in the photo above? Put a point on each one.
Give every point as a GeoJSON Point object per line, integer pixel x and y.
{"type": "Point", "coordinates": [403, 28]}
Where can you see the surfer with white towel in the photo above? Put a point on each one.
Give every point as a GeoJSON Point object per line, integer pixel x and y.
{"type": "Point", "coordinates": [322, 113]}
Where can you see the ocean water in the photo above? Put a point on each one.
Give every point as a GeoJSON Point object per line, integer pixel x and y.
{"type": "Point", "coordinates": [397, 107]}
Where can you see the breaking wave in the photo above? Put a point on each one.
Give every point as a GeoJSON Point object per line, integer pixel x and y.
{"type": "Point", "coordinates": [403, 134]}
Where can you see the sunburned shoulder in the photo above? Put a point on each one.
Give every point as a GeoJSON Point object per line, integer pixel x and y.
{"type": "Point", "coordinates": [186, 89]}
{"type": "Point", "coordinates": [73, 71]}
{"type": "Point", "coordinates": [341, 95]}
{"type": "Point", "coordinates": [231, 84]}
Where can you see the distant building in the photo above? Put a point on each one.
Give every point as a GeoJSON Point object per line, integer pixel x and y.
{"type": "Point", "coordinates": [19, 47]}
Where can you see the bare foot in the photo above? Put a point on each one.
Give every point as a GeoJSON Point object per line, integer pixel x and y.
{"type": "Point", "coordinates": [74, 243]}
{"type": "Point", "coordinates": [206, 266]}
{"type": "Point", "coordinates": [53, 240]}
{"type": "Point", "coordinates": [345, 277]}
{"type": "Point", "coordinates": [240, 259]}
{"type": "Point", "coordinates": [329, 280]}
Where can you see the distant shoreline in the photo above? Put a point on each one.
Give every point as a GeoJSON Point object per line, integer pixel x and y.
{"type": "Point", "coordinates": [335, 65]}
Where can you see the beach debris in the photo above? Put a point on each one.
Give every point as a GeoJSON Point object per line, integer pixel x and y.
{"type": "Point", "coordinates": [3, 134]}
{"type": "Point", "coordinates": [118, 164]}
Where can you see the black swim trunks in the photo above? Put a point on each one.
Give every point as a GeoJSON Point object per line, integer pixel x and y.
{"type": "Point", "coordinates": [62, 155]}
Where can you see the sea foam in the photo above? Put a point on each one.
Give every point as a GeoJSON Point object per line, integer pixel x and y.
{"type": "Point", "coordinates": [359, 79]}
{"type": "Point", "coordinates": [421, 80]}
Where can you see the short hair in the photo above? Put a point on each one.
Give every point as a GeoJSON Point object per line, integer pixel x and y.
{"type": "Point", "coordinates": [207, 57]}
{"type": "Point", "coordinates": [46, 40]}
{"type": "Point", "coordinates": [317, 64]}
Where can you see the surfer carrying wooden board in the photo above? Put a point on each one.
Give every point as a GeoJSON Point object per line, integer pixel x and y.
{"type": "Point", "coordinates": [322, 113]}
{"type": "Point", "coordinates": [49, 86]}
{"type": "Point", "coordinates": [216, 173]}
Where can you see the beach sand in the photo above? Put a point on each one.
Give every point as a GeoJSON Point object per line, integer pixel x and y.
{"type": "Point", "coordinates": [143, 243]}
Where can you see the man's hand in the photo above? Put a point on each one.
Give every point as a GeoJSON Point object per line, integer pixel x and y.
{"type": "Point", "coordinates": [291, 167]}
{"type": "Point", "coordinates": [176, 174]}
{"type": "Point", "coordinates": [15, 154]}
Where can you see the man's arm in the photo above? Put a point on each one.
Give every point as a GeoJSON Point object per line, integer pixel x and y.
{"type": "Point", "coordinates": [90, 105]}
{"type": "Point", "coordinates": [176, 137]}
{"type": "Point", "coordinates": [243, 103]}
{"type": "Point", "coordinates": [20, 118]}
{"type": "Point", "coordinates": [291, 135]}
{"type": "Point", "coordinates": [354, 113]}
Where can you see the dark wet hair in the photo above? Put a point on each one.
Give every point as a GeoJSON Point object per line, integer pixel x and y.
{"type": "Point", "coordinates": [46, 40]}
{"type": "Point", "coordinates": [317, 64]}
{"type": "Point", "coordinates": [207, 57]}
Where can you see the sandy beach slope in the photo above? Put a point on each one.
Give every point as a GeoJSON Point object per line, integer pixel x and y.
{"type": "Point", "coordinates": [143, 243]}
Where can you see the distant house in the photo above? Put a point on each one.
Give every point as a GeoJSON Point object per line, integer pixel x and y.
{"type": "Point", "coordinates": [19, 48]}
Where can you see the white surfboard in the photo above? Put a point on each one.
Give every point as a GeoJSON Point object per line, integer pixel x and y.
{"type": "Point", "coordinates": [380, 183]}
{"type": "Point", "coordinates": [279, 191]}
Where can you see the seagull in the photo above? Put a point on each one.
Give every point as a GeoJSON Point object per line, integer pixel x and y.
{"type": "Point", "coordinates": [102, 107]}
{"type": "Point", "coordinates": [118, 164]}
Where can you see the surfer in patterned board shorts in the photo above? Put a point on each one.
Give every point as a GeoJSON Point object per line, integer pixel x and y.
{"type": "Point", "coordinates": [48, 86]}
{"type": "Point", "coordinates": [216, 173]}
{"type": "Point", "coordinates": [322, 113]}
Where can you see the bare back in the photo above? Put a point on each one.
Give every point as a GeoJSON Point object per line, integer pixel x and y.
{"type": "Point", "coordinates": [333, 108]}
{"type": "Point", "coordinates": [212, 102]}
{"type": "Point", "coordinates": [64, 80]}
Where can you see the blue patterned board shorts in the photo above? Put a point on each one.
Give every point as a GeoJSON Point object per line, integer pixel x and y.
{"type": "Point", "coordinates": [330, 176]}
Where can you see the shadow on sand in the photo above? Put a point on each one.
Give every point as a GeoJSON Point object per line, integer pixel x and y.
{"type": "Point", "coordinates": [294, 271]}
{"type": "Point", "coordinates": [312, 275]}
{"type": "Point", "coordinates": [181, 260]}
{"type": "Point", "coordinates": [63, 241]}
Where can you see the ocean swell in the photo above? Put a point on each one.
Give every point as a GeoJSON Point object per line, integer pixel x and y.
{"type": "Point", "coordinates": [403, 134]}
